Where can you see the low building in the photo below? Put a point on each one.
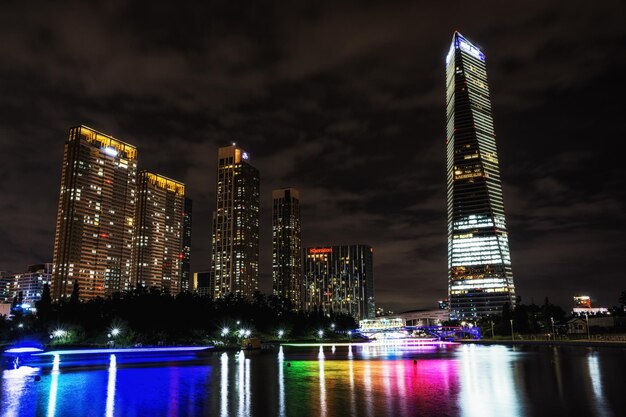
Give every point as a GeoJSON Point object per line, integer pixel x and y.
{"type": "Point", "coordinates": [425, 317]}
{"type": "Point", "coordinates": [5, 309]}
{"type": "Point", "coordinates": [577, 325]}
{"type": "Point", "coordinates": [30, 283]}
{"type": "Point", "coordinates": [589, 311]}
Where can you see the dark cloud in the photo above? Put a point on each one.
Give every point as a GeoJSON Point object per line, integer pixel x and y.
{"type": "Point", "coordinates": [344, 100]}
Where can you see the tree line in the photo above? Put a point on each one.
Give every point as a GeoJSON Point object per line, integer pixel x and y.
{"type": "Point", "coordinates": [150, 316]}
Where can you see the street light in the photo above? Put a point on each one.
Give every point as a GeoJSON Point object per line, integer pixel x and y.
{"type": "Point", "coordinates": [332, 326]}
{"type": "Point", "coordinates": [320, 333]}
{"type": "Point", "coordinates": [512, 336]}
{"type": "Point", "coordinates": [280, 334]}
{"type": "Point", "coordinates": [58, 333]}
{"type": "Point", "coordinates": [115, 331]}
{"type": "Point", "coordinates": [225, 331]}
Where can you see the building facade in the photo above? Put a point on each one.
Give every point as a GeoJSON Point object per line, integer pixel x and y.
{"type": "Point", "coordinates": [185, 281]}
{"type": "Point", "coordinates": [480, 278]}
{"type": "Point", "coordinates": [158, 245]}
{"type": "Point", "coordinates": [235, 234]}
{"type": "Point", "coordinates": [30, 283]}
{"type": "Point", "coordinates": [286, 246]}
{"type": "Point", "coordinates": [339, 279]}
{"type": "Point", "coordinates": [95, 220]}
{"type": "Point", "coordinates": [202, 284]}
{"type": "Point", "coordinates": [5, 287]}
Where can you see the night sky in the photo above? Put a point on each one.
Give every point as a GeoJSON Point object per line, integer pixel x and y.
{"type": "Point", "coordinates": [345, 101]}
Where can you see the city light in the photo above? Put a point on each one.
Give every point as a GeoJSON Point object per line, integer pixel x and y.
{"type": "Point", "coordinates": [115, 331]}
{"type": "Point", "coordinates": [320, 333]}
{"type": "Point", "coordinates": [59, 333]}
{"type": "Point", "coordinates": [110, 151]}
{"type": "Point", "coordinates": [281, 333]}
{"type": "Point", "coordinates": [225, 331]}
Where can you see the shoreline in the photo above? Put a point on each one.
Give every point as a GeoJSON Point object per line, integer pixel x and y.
{"type": "Point", "coordinates": [579, 343]}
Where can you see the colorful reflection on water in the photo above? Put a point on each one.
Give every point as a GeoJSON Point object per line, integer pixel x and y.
{"type": "Point", "coordinates": [465, 380]}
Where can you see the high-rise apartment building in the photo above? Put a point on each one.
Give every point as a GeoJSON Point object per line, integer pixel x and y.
{"type": "Point", "coordinates": [95, 220]}
{"type": "Point", "coordinates": [158, 246]}
{"type": "Point", "coordinates": [480, 279]}
{"type": "Point", "coordinates": [235, 235]}
{"type": "Point", "coordinates": [185, 281]}
{"type": "Point", "coordinates": [340, 279]}
{"type": "Point", "coordinates": [286, 246]}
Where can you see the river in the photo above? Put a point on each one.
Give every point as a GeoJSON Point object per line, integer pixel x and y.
{"type": "Point", "coordinates": [341, 380]}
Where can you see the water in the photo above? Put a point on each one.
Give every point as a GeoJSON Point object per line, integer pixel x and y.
{"type": "Point", "coordinates": [329, 381]}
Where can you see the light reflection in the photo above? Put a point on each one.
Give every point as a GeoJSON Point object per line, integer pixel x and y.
{"type": "Point", "coordinates": [322, 383]}
{"type": "Point", "coordinates": [224, 385]}
{"type": "Point", "coordinates": [596, 385]}
{"type": "Point", "coordinates": [351, 376]}
{"type": "Point", "coordinates": [110, 404]}
{"type": "Point", "coordinates": [14, 387]}
{"type": "Point", "coordinates": [367, 383]}
{"type": "Point", "coordinates": [486, 378]}
{"type": "Point", "coordinates": [557, 371]}
{"type": "Point", "coordinates": [54, 385]}
{"type": "Point", "coordinates": [350, 354]}
{"type": "Point", "coordinates": [241, 363]}
{"type": "Point", "coordinates": [243, 384]}
{"type": "Point", "coordinates": [281, 383]}
{"type": "Point", "coordinates": [52, 399]}
{"type": "Point", "coordinates": [56, 362]}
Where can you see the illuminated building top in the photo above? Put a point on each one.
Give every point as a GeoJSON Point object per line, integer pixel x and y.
{"type": "Point", "coordinates": [582, 301]}
{"type": "Point", "coordinates": [315, 251]}
{"type": "Point", "coordinates": [106, 142]}
{"type": "Point", "coordinates": [166, 183]}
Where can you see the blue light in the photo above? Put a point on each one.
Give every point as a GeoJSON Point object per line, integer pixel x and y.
{"type": "Point", "coordinates": [23, 350]}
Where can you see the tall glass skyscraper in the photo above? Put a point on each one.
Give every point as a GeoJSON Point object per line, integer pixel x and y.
{"type": "Point", "coordinates": [235, 238]}
{"type": "Point", "coordinates": [286, 249]}
{"type": "Point", "coordinates": [480, 279]}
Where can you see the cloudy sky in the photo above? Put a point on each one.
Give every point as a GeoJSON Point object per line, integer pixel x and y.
{"type": "Point", "coordinates": [345, 101]}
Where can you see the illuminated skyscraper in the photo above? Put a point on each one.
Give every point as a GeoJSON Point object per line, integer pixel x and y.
{"type": "Point", "coordinates": [286, 250]}
{"type": "Point", "coordinates": [185, 282]}
{"type": "Point", "coordinates": [235, 237]}
{"type": "Point", "coordinates": [94, 230]}
{"type": "Point", "coordinates": [340, 279]}
{"type": "Point", "coordinates": [480, 279]}
{"type": "Point", "coordinates": [158, 246]}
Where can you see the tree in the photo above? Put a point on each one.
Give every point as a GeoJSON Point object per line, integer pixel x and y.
{"type": "Point", "coordinates": [44, 305]}
{"type": "Point", "coordinates": [75, 296]}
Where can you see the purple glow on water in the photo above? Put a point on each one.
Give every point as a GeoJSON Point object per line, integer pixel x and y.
{"type": "Point", "coordinates": [124, 350]}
